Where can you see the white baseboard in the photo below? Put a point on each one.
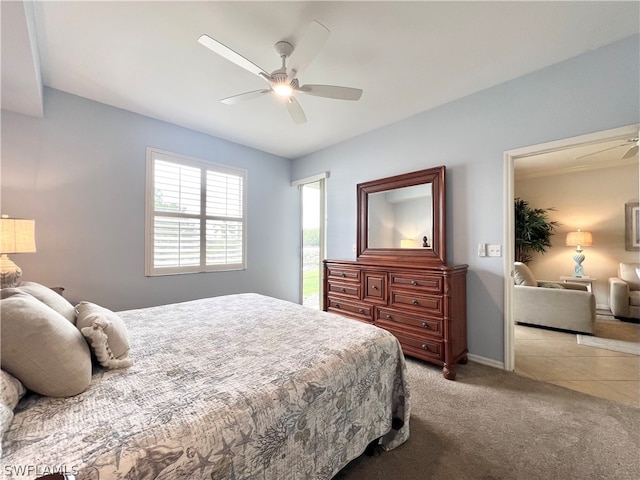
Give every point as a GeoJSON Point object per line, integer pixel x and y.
{"type": "Point", "coordinates": [490, 362]}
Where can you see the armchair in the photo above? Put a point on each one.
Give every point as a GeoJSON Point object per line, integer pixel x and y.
{"type": "Point", "coordinates": [565, 306]}
{"type": "Point", "coordinates": [624, 292]}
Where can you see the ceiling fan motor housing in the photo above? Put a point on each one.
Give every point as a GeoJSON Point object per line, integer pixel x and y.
{"type": "Point", "coordinates": [284, 48]}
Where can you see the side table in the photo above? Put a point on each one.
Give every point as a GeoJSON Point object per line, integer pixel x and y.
{"type": "Point", "coordinates": [588, 281]}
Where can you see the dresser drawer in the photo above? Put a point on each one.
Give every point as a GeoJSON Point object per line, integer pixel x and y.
{"type": "Point", "coordinates": [344, 274]}
{"type": "Point", "coordinates": [423, 283]}
{"type": "Point", "coordinates": [392, 318]}
{"type": "Point", "coordinates": [433, 304]}
{"type": "Point", "coordinates": [375, 287]}
{"type": "Point", "coordinates": [419, 347]}
{"type": "Point", "coordinates": [360, 311]}
{"type": "Point", "coordinates": [347, 289]}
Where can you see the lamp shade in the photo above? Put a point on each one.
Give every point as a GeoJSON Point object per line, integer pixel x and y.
{"type": "Point", "coordinates": [407, 243]}
{"type": "Point", "coordinates": [17, 235]}
{"type": "Point", "coordinates": [579, 239]}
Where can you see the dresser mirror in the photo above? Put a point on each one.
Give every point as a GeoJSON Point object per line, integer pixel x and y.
{"type": "Point", "coordinates": [401, 218]}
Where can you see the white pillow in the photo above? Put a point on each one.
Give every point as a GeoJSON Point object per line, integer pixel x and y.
{"type": "Point", "coordinates": [107, 334]}
{"type": "Point", "coordinates": [50, 298]}
{"type": "Point", "coordinates": [11, 391]}
{"type": "Point", "coordinates": [523, 276]}
{"type": "Point", "coordinates": [42, 349]}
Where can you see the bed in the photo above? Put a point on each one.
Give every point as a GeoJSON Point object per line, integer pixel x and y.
{"type": "Point", "coordinates": [234, 387]}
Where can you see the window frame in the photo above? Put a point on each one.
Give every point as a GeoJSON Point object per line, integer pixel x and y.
{"type": "Point", "coordinates": [153, 154]}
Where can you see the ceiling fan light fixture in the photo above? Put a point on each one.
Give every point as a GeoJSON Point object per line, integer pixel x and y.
{"type": "Point", "coordinates": [283, 89]}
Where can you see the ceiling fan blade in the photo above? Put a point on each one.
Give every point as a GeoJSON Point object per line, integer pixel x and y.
{"type": "Point", "coordinates": [331, 91]}
{"type": "Point", "coordinates": [231, 55]}
{"type": "Point", "coordinates": [244, 96]}
{"type": "Point", "coordinates": [295, 111]}
{"type": "Point", "coordinates": [631, 152]}
{"type": "Point", "coordinates": [308, 47]}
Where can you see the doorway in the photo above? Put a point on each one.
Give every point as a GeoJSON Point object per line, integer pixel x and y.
{"type": "Point", "coordinates": [528, 153]}
{"type": "Point", "coordinates": [312, 235]}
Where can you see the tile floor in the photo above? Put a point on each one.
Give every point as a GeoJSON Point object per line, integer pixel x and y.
{"type": "Point", "coordinates": [556, 357]}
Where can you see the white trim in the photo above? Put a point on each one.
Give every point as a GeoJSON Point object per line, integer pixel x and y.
{"type": "Point", "coordinates": [490, 362]}
{"type": "Point", "coordinates": [153, 154]}
{"type": "Point", "coordinates": [509, 363]}
{"type": "Point", "coordinates": [311, 179]}
{"type": "Point", "coordinates": [321, 179]}
{"type": "Point", "coordinates": [509, 158]}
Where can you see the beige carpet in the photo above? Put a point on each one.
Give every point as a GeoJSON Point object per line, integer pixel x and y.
{"type": "Point", "coordinates": [495, 425]}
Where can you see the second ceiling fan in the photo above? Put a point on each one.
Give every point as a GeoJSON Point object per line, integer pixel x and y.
{"type": "Point", "coordinates": [283, 82]}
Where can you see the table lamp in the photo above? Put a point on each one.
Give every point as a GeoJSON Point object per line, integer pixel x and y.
{"type": "Point", "coordinates": [579, 239]}
{"type": "Point", "coordinates": [16, 236]}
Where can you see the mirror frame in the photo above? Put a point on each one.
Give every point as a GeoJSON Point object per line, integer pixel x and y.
{"type": "Point", "coordinates": [436, 254]}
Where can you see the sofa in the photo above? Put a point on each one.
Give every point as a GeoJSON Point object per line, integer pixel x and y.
{"type": "Point", "coordinates": [624, 292]}
{"type": "Point", "coordinates": [564, 306]}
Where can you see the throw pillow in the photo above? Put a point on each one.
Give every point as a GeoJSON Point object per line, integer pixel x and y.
{"type": "Point", "coordinates": [11, 391]}
{"type": "Point", "coordinates": [627, 272]}
{"type": "Point", "coordinates": [6, 417]}
{"type": "Point", "coordinates": [42, 349]}
{"type": "Point", "coordinates": [523, 276]}
{"type": "Point", "coordinates": [50, 298]}
{"type": "Point", "coordinates": [551, 285]}
{"type": "Point", "coordinates": [106, 333]}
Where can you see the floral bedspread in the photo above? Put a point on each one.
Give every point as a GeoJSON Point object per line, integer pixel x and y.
{"type": "Point", "coordinates": [235, 387]}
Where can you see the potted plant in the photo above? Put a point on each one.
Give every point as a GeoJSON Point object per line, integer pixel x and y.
{"type": "Point", "coordinates": [533, 230]}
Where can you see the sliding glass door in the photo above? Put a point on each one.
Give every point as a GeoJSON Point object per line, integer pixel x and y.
{"type": "Point", "coordinates": [312, 251]}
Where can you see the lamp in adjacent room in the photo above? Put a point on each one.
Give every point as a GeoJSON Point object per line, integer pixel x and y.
{"type": "Point", "coordinates": [579, 239]}
{"type": "Point", "coordinates": [17, 235]}
{"type": "Point", "coordinates": [407, 243]}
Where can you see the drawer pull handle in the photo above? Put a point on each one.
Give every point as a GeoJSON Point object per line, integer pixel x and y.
{"type": "Point", "coordinates": [414, 301]}
{"type": "Point", "coordinates": [361, 310]}
{"type": "Point", "coordinates": [343, 290]}
{"type": "Point", "coordinates": [337, 305]}
{"type": "Point", "coordinates": [414, 283]}
{"type": "Point", "coordinates": [375, 287]}
{"type": "Point", "coordinates": [425, 324]}
{"type": "Point", "coordinates": [342, 274]}
{"type": "Point", "coordinates": [425, 347]}
{"type": "Point", "coordinates": [389, 317]}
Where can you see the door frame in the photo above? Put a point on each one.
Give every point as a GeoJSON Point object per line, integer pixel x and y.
{"type": "Point", "coordinates": [510, 157]}
{"type": "Point", "coordinates": [322, 179]}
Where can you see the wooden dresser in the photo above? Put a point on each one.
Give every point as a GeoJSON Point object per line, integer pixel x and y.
{"type": "Point", "coordinates": [400, 280]}
{"type": "Point", "coordinates": [423, 306]}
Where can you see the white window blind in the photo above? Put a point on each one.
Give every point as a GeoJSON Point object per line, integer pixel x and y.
{"type": "Point", "coordinates": [195, 215]}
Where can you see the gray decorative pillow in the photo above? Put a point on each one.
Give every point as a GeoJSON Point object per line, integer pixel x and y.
{"type": "Point", "coordinates": [50, 298]}
{"type": "Point", "coordinates": [6, 417]}
{"type": "Point", "coordinates": [42, 349]}
{"type": "Point", "coordinates": [551, 285]}
{"type": "Point", "coordinates": [523, 276]}
{"type": "Point", "coordinates": [107, 334]}
{"type": "Point", "coordinates": [11, 391]}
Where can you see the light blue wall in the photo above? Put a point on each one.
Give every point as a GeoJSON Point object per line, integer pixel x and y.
{"type": "Point", "coordinates": [595, 91]}
{"type": "Point", "coordinates": [80, 173]}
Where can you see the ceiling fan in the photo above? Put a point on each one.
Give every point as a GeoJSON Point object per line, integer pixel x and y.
{"type": "Point", "coordinates": [283, 82]}
{"type": "Point", "coordinates": [632, 150]}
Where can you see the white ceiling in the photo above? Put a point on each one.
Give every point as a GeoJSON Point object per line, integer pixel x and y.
{"type": "Point", "coordinates": [408, 57]}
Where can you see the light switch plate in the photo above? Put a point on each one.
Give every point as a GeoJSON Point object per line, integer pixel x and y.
{"type": "Point", "coordinates": [482, 250]}
{"type": "Point", "coordinates": [495, 250]}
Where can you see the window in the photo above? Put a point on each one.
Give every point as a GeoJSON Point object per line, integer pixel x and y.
{"type": "Point", "coordinates": [195, 215]}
